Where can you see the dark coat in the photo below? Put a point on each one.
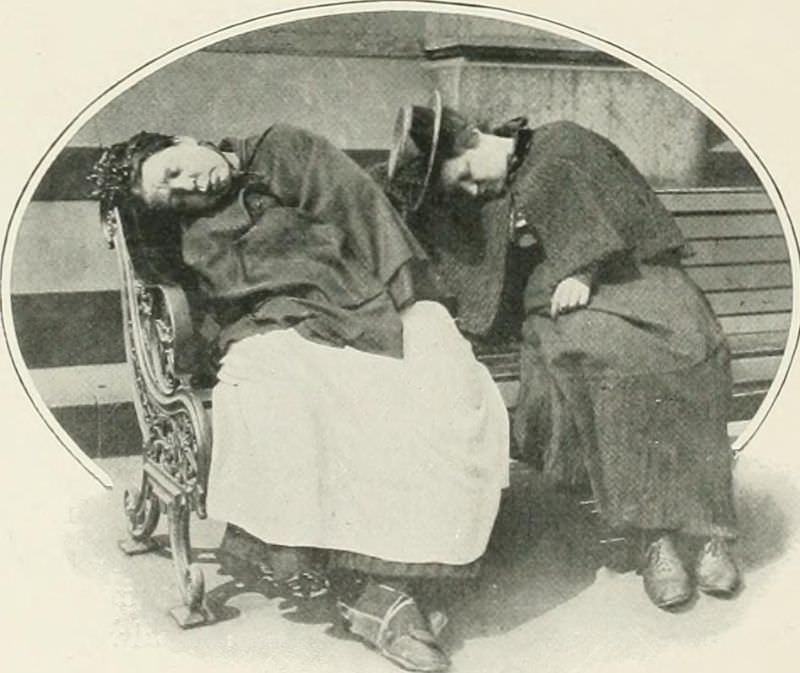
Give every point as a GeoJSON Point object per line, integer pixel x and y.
{"type": "Point", "coordinates": [584, 202]}
{"type": "Point", "coordinates": [587, 205]}
{"type": "Point", "coordinates": [633, 389]}
{"type": "Point", "coordinates": [307, 241]}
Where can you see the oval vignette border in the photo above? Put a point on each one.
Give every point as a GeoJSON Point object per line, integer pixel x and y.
{"type": "Point", "coordinates": [361, 6]}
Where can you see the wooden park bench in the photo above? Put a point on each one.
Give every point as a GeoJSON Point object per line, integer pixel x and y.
{"type": "Point", "coordinates": [741, 262]}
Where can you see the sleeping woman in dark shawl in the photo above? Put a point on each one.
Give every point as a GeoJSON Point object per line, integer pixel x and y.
{"type": "Point", "coordinates": [551, 236]}
{"type": "Point", "coordinates": [352, 423]}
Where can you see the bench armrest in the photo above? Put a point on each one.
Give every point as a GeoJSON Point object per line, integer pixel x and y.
{"type": "Point", "coordinates": [159, 334]}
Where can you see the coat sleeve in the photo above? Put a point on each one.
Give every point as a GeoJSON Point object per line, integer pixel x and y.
{"type": "Point", "coordinates": [574, 218]}
{"type": "Point", "coordinates": [232, 255]}
{"type": "Point", "coordinates": [307, 171]}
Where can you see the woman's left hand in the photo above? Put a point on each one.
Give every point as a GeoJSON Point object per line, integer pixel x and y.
{"type": "Point", "coordinates": [570, 294]}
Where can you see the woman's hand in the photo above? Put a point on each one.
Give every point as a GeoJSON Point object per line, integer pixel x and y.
{"type": "Point", "coordinates": [570, 294]}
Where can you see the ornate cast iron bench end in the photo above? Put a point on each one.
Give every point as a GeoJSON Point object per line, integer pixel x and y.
{"type": "Point", "coordinates": [176, 431]}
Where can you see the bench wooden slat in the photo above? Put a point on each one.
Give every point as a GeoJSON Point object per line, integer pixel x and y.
{"type": "Point", "coordinates": [715, 200]}
{"type": "Point", "coordinates": [742, 277]}
{"type": "Point", "coordinates": [738, 250]}
{"type": "Point", "coordinates": [757, 369]}
{"type": "Point", "coordinates": [759, 343]}
{"type": "Point", "coordinates": [742, 302]}
{"type": "Point", "coordinates": [729, 225]}
{"type": "Point", "coordinates": [762, 322]}
{"type": "Point", "coordinates": [510, 391]}
{"type": "Point", "coordinates": [736, 429]}
{"type": "Point", "coordinates": [746, 401]}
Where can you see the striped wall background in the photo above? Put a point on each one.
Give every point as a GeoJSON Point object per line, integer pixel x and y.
{"type": "Point", "coordinates": [66, 309]}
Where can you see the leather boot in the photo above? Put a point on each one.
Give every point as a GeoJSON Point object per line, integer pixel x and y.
{"type": "Point", "coordinates": [716, 571]}
{"type": "Point", "coordinates": [666, 581]}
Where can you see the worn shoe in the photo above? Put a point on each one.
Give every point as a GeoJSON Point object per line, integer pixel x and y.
{"type": "Point", "coordinates": [716, 571]}
{"type": "Point", "coordinates": [389, 620]}
{"type": "Point", "coordinates": [666, 581]}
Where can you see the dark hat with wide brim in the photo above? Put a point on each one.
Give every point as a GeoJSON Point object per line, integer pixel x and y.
{"type": "Point", "coordinates": [416, 136]}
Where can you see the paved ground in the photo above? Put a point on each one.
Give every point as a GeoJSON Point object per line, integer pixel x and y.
{"type": "Point", "coordinates": [544, 603]}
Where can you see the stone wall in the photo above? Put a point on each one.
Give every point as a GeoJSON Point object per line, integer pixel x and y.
{"type": "Point", "coordinates": [662, 133]}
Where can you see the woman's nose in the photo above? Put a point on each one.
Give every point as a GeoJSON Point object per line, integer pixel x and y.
{"type": "Point", "coordinates": [470, 188]}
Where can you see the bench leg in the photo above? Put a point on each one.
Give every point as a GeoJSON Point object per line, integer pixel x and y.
{"type": "Point", "coordinates": [193, 611]}
{"type": "Point", "coordinates": [142, 509]}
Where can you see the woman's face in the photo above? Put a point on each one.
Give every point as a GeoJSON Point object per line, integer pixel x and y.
{"type": "Point", "coordinates": [480, 170]}
{"type": "Point", "coordinates": [188, 176]}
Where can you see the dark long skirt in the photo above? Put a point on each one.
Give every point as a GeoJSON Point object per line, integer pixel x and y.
{"type": "Point", "coordinates": [633, 391]}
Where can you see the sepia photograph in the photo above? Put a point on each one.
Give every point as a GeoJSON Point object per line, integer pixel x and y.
{"type": "Point", "coordinates": [381, 336]}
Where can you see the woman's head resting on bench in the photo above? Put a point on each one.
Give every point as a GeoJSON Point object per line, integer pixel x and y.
{"type": "Point", "coordinates": [162, 172]}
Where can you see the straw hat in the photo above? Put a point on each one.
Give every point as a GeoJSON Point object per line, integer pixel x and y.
{"type": "Point", "coordinates": [416, 137]}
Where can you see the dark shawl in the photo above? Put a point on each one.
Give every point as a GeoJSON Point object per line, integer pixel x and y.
{"type": "Point", "coordinates": [587, 203]}
{"type": "Point", "coordinates": [584, 202]}
{"type": "Point", "coordinates": [309, 242]}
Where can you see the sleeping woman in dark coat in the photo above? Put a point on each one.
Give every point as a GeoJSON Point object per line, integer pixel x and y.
{"type": "Point", "coordinates": [551, 235]}
{"type": "Point", "coordinates": [350, 417]}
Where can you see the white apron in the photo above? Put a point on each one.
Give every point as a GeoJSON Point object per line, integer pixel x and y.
{"type": "Point", "coordinates": [317, 446]}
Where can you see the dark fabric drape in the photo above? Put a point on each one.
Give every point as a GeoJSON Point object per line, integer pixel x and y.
{"type": "Point", "coordinates": [308, 242]}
